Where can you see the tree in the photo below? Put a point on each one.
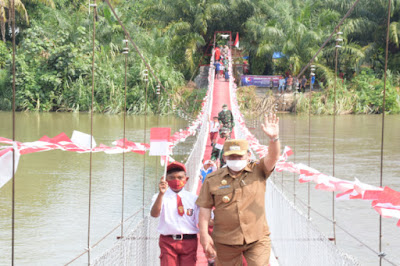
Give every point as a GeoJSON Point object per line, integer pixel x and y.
{"type": "Point", "coordinates": [5, 5]}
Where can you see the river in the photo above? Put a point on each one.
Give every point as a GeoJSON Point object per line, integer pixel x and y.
{"type": "Point", "coordinates": [51, 213]}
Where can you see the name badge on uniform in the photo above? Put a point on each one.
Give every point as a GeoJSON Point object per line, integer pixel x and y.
{"type": "Point", "coordinates": [189, 212]}
{"type": "Point", "coordinates": [222, 187]}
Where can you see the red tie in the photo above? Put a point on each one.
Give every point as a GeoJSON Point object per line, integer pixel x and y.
{"type": "Point", "coordinates": [180, 206]}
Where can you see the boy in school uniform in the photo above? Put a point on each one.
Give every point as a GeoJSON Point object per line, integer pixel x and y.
{"type": "Point", "coordinates": [214, 129]}
{"type": "Point", "coordinates": [222, 68]}
{"type": "Point", "coordinates": [178, 218]}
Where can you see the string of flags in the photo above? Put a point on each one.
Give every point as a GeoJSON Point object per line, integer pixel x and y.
{"type": "Point", "coordinates": [81, 143]}
{"type": "Point", "coordinates": [385, 201]}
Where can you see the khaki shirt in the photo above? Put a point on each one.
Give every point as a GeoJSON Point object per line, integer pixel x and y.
{"type": "Point", "coordinates": [241, 219]}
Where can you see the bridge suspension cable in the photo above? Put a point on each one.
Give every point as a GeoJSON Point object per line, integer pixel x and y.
{"type": "Point", "coordinates": [94, 5]}
{"type": "Point", "coordinates": [13, 133]}
{"type": "Point", "coordinates": [328, 39]}
{"type": "Point", "coordinates": [125, 52]}
{"type": "Point", "coordinates": [135, 46]}
{"type": "Point", "coordinates": [334, 133]}
{"type": "Point", "coordinates": [89, 246]}
{"type": "Point", "coordinates": [381, 254]}
{"type": "Point", "coordinates": [146, 81]}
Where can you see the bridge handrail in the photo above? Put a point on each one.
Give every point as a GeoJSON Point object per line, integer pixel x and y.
{"type": "Point", "coordinates": [195, 159]}
{"type": "Point", "coordinates": [287, 241]}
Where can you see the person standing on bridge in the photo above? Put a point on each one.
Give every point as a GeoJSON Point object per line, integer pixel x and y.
{"type": "Point", "coordinates": [225, 118]}
{"type": "Point", "coordinates": [222, 69]}
{"type": "Point", "coordinates": [238, 194]}
{"type": "Point", "coordinates": [217, 68]}
{"type": "Point", "coordinates": [178, 218]}
{"type": "Point", "coordinates": [214, 128]}
{"type": "Point", "coordinates": [217, 53]}
{"type": "Point", "coordinates": [225, 51]}
{"type": "Point", "coordinates": [217, 151]}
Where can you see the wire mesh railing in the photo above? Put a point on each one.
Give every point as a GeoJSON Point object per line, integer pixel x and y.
{"type": "Point", "coordinates": [295, 239]}
{"type": "Point", "coordinates": [140, 245]}
{"type": "Point", "coordinates": [194, 161]}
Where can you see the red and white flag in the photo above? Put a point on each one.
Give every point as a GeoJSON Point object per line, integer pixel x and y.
{"type": "Point", "coordinates": [82, 139]}
{"type": "Point", "coordinates": [237, 40]}
{"type": "Point", "coordinates": [6, 165]}
{"type": "Point", "coordinates": [165, 160]}
{"type": "Point", "coordinates": [159, 141]}
{"type": "Point", "coordinates": [220, 144]}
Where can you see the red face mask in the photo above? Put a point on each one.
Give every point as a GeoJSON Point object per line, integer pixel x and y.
{"type": "Point", "coordinates": [176, 184]}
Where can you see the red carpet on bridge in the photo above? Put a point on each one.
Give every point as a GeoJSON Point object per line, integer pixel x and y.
{"type": "Point", "coordinates": [220, 97]}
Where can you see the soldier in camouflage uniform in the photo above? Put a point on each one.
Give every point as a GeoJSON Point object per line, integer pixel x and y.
{"type": "Point", "coordinates": [225, 118]}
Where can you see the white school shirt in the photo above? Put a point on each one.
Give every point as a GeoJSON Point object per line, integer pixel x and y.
{"type": "Point", "coordinates": [214, 126]}
{"type": "Point", "coordinates": [171, 223]}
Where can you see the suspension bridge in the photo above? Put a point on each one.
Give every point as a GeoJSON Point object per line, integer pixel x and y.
{"type": "Point", "coordinates": [295, 239]}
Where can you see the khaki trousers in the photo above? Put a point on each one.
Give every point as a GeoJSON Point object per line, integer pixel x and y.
{"type": "Point", "coordinates": [256, 253]}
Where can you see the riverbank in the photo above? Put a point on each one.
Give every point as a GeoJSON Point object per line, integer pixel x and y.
{"type": "Point", "coordinates": [349, 100]}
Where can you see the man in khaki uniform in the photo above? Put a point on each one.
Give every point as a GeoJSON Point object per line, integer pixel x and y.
{"type": "Point", "coordinates": [238, 194]}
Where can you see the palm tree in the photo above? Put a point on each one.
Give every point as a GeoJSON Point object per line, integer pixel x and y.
{"type": "Point", "coordinates": [5, 5]}
{"type": "Point", "coordinates": [183, 26]}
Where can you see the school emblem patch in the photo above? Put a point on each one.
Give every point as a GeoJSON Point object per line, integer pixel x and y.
{"type": "Point", "coordinates": [181, 211]}
{"type": "Point", "coordinates": [189, 212]}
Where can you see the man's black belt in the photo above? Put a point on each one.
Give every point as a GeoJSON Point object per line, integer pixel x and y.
{"type": "Point", "coordinates": [181, 237]}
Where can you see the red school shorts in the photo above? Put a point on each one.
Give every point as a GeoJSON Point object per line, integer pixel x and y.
{"type": "Point", "coordinates": [177, 252]}
{"type": "Point", "coordinates": [213, 136]}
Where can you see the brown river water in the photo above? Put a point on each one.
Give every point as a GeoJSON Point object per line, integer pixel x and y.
{"type": "Point", "coordinates": [51, 213]}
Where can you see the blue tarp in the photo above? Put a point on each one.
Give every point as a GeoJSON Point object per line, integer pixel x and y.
{"type": "Point", "coordinates": [278, 55]}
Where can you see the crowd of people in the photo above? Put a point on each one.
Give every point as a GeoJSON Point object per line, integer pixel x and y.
{"type": "Point", "coordinates": [288, 83]}
{"type": "Point", "coordinates": [229, 213]}
{"type": "Point", "coordinates": [221, 62]}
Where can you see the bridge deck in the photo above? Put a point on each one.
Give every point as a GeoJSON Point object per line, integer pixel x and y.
{"type": "Point", "coordinates": [220, 96]}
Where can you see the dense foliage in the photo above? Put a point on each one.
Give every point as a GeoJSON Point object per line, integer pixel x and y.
{"type": "Point", "coordinates": [54, 50]}
{"type": "Point", "coordinates": [54, 70]}
{"type": "Point", "coordinates": [363, 95]}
